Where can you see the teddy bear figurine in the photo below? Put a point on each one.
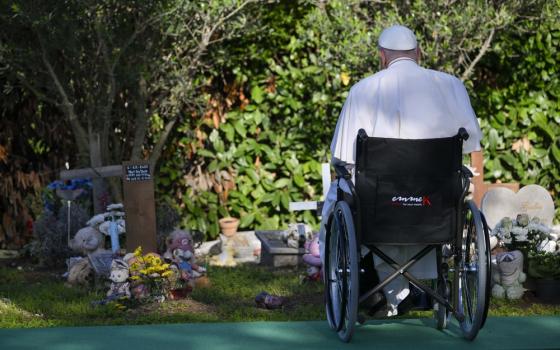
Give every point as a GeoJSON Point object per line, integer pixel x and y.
{"type": "Point", "coordinates": [508, 275]}
{"type": "Point", "coordinates": [87, 240]}
{"type": "Point", "coordinates": [313, 258]}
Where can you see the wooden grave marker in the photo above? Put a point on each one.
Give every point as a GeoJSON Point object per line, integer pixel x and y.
{"type": "Point", "coordinates": [139, 206]}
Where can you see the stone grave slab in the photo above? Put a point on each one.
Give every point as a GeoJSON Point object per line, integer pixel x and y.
{"type": "Point", "coordinates": [533, 200]}
{"type": "Point", "coordinates": [275, 251]}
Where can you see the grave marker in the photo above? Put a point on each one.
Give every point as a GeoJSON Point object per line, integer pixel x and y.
{"type": "Point", "coordinates": [533, 200]}
{"type": "Point", "coordinates": [139, 206]}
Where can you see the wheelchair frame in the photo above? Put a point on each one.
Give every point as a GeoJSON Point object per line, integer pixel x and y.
{"type": "Point", "coordinates": [470, 255]}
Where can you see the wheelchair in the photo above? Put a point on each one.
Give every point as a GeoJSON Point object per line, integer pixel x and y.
{"type": "Point", "coordinates": [408, 192]}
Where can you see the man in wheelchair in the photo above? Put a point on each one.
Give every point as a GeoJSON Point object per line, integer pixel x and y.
{"type": "Point", "coordinates": [400, 188]}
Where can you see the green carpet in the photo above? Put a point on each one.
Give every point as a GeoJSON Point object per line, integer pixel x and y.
{"type": "Point", "coordinates": [499, 333]}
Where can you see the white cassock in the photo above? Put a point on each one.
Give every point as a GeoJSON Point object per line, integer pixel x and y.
{"type": "Point", "coordinates": [404, 101]}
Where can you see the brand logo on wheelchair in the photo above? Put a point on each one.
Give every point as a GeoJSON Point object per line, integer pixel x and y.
{"type": "Point", "coordinates": [411, 201]}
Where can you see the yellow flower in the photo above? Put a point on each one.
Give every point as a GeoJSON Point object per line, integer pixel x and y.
{"type": "Point", "coordinates": [167, 273]}
{"type": "Point", "coordinates": [345, 78]}
{"type": "Point", "coordinates": [135, 278]}
{"type": "Point", "coordinates": [138, 251]}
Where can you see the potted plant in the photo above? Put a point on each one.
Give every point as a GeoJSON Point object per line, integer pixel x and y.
{"type": "Point", "coordinates": [544, 267]}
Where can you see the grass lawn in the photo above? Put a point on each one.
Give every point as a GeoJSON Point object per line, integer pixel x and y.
{"type": "Point", "coordinates": [40, 299]}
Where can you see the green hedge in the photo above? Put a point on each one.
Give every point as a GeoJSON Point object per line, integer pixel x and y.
{"type": "Point", "coordinates": [275, 99]}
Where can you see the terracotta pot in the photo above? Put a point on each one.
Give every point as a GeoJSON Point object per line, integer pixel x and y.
{"type": "Point", "coordinates": [229, 226]}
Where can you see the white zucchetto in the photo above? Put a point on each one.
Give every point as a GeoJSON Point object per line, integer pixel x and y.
{"type": "Point", "coordinates": [397, 37]}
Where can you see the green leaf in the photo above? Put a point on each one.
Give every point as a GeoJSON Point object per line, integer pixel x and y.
{"type": "Point", "coordinates": [282, 183]}
{"type": "Point", "coordinates": [240, 128]}
{"type": "Point", "coordinates": [246, 220]}
{"type": "Point", "coordinates": [205, 153]}
{"type": "Point", "coordinates": [555, 152]}
{"type": "Point", "coordinates": [229, 131]}
{"type": "Point", "coordinates": [257, 94]}
{"type": "Point", "coordinates": [299, 180]}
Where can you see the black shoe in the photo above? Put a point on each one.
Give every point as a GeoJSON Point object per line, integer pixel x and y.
{"type": "Point", "coordinates": [375, 305]}
{"type": "Point", "coordinates": [417, 299]}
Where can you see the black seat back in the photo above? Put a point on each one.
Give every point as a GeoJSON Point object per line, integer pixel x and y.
{"type": "Point", "coordinates": [408, 190]}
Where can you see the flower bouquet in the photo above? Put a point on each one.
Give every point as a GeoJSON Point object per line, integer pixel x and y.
{"type": "Point", "coordinates": [538, 242]}
{"type": "Point", "coordinates": [151, 276]}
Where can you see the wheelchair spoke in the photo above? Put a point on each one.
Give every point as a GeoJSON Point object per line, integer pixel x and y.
{"type": "Point", "coordinates": [467, 295]}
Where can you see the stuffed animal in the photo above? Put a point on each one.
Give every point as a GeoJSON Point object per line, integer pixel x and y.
{"type": "Point", "coordinates": [80, 273]}
{"type": "Point", "coordinates": [184, 261]}
{"type": "Point", "coordinates": [508, 275]}
{"type": "Point", "coordinates": [87, 240]}
{"type": "Point", "coordinates": [313, 258]}
{"type": "Point", "coordinates": [178, 239]}
{"type": "Point", "coordinates": [119, 288]}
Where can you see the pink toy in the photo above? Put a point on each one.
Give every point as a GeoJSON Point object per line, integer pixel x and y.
{"type": "Point", "coordinates": [313, 258]}
{"type": "Point", "coordinates": [178, 239]}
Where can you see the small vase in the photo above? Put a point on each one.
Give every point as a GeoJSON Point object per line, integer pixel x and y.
{"type": "Point", "coordinates": [229, 226]}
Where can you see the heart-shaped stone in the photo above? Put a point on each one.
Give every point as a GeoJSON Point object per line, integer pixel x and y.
{"type": "Point", "coordinates": [533, 200]}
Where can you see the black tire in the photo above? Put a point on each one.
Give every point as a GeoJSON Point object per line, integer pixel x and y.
{"type": "Point", "coordinates": [471, 285]}
{"type": "Point", "coordinates": [341, 273]}
{"type": "Point", "coordinates": [489, 265]}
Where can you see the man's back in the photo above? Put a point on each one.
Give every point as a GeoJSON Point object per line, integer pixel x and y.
{"type": "Point", "coordinates": [405, 101]}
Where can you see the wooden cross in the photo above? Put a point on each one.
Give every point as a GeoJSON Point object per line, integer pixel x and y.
{"type": "Point", "coordinates": [139, 199]}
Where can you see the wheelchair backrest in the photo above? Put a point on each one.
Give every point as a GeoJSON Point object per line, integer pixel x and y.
{"type": "Point", "coordinates": [408, 190]}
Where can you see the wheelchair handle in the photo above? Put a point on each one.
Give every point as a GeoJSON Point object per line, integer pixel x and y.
{"type": "Point", "coordinates": [342, 172]}
{"type": "Point", "coordinates": [362, 135]}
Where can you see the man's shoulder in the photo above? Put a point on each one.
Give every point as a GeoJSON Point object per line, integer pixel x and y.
{"type": "Point", "coordinates": [367, 82]}
{"type": "Point", "coordinates": [444, 76]}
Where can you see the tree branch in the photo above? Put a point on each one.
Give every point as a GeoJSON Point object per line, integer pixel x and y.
{"type": "Point", "coordinates": [158, 148]}
{"type": "Point", "coordinates": [231, 14]}
{"type": "Point", "coordinates": [139, 30]}
{"type": "Point", "coordinates": [481, 53]}
{"type": "Point", "coordinates": [68, 108]}
{"type": "Point", "coordinates": [36, 92]}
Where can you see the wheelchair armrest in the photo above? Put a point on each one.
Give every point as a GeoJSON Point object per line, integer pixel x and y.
{"type": "Point", "coordinates": [342, 172]}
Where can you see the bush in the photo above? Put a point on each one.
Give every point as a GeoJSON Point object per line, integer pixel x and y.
{"type": "Point", "coordinates": [50, 231]}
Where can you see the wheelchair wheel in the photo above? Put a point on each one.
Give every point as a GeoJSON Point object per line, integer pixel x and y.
{"type": "Point", "coordinates": [472, 273]}
{"type": "Point", "coordinates": [341, 272]}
